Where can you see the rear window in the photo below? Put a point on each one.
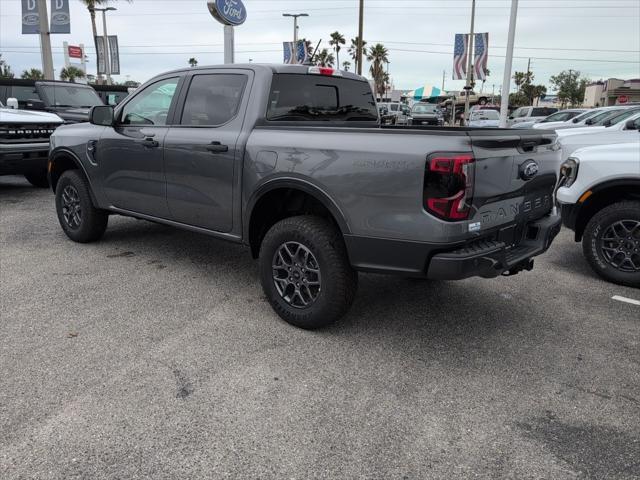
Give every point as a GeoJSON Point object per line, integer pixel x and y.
{"type": "Point", "coordinates": [543, 112]}
{"type": "Point", "coordinates": [296, 97]}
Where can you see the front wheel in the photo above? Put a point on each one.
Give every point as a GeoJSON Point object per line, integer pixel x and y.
{"type": "Point", "coordinates": [611, 243]}
{"type": "Point", "coordinates": [80, 220]}
{"type": "Point", "coordinates": [305, 272]}
{"type": "Point", "coordinates": [37, 179]}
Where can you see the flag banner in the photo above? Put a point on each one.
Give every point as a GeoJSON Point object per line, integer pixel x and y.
{"type": "Point", "coordinates": [30, 17]}
{"type": "Point", "coordinates": [295, 54]}
{"type": "Point", "coordinates": [102, 69]}
{"type": "Point", "coordinates": [60, 18]}
{"type": "Point", "coordinates": [114, 55]}
{"type": "Point", "coordinates": [460, 56]}
{"type": "Point", "coordinates": [481, 55]}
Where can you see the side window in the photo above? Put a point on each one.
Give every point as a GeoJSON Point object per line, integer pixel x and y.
{"type": "Point", "coordinates": [213, 99]}
{"type": "Point", "coordinates": [23, 94]}
{"type": "Point", "coordinates": [150, 106]}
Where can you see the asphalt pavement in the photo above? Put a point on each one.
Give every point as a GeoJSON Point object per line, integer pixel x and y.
{"type": "Point", "coordinates": [154, 354]}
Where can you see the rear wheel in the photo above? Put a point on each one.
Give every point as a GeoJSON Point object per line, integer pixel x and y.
{"type": "Point", "coordinates": [611, 243]}
{"type": "Point", "coordinates": [305, 272]}
{"type": "Point", "coordinates": [482, 101]}
{"type": "Point", "coordinates": [80, 220]}
{"type": "Point", "coordinates": [38, 179]}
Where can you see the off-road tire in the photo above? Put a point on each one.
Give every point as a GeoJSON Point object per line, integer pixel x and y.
{"type": "Point", "coordinates": [92, 221]}
{"type": "Point", "coordinates": [338, 280]}
{"type": "Point", "coordinates": [38, 179]}
{"type": "Point", "coordinates": [592, 242]}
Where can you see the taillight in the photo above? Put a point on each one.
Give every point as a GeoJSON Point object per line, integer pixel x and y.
{"type": "Point", "coordinates": [448, 185]}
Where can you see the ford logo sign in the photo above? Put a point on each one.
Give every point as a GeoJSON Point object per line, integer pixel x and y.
{"type": "Point", "coordinates": [228, 12]}
{"type": "Point", "coordinates": [60, 18]}
{"type": "Point", "coordinates": [31, 19]}
{"type": "Point", "coordinates": [528, 170]}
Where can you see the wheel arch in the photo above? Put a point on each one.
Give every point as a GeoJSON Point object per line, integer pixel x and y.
{"type": "Point", "coordinates": [61, 160]}
{"type": "Point", "coordinates": [602, 196]}
{"type": "Point", "coordinates": [282, 198]}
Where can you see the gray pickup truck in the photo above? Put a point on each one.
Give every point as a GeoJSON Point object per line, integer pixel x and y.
{"type": "Point", "coordinates": [291, 160]}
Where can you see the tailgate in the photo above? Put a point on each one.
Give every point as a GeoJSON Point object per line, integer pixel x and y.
{"type": "Point", "coordinates": [514, 176]}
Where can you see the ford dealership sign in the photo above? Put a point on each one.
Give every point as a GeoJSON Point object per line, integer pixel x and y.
{"type": "Point", "coordinates": [228, 12]}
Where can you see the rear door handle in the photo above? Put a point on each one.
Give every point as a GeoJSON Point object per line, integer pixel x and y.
{"type": "Point", "coordinates": [217, 147]}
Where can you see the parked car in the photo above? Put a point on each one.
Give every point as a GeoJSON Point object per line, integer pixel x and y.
{"type": "Point", "coordinates": [484, 118]}
{"type": "Point", "coordinates": [599, 199]}
{"type": "Point", "coordinates": [291, 161]}
{"type": "Point", "coordinates": [577, 138]}
{"type": "Point", "coordinates": [386, 118]}
{"type": "Point", "coordinates": [560, 116]}
{"type": "Point", "coordinates": [397, 110]}
{"type": "Point", "coordinates": [460, 98]}
{"type": "Point", "coordinates": [583, 120]}
{"type": "Point", "coordinates": [426, 114]}
{"type": "Point", "coordinates": [112, 94]}
{"type": "Point", "coordinates": [24, 143]}
{"type": "Point", "coordinates": [529, 114]}
{"type": "Point", "coordinates": [70, 101]}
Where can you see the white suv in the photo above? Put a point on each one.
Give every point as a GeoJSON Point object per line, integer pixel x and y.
{"type": "Point", "coordinates": [599, 198]}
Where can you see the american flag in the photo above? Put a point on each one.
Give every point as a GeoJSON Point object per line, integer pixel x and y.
{"type": "Point", "coordinates": [481, 55]}
{"type": "Point", "coordinates": [460, 53]}
{"type": "Point", "coordinates": [297, 55]}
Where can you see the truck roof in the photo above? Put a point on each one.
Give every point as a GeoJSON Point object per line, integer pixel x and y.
{"type": "Point", "coordinates": [271, 67]}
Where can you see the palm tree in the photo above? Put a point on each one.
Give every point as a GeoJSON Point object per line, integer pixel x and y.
{"type": "Point", "coordinates": [91, 5]}
{"type": "Point", "coordinates": [325, 58]}
{"type": "Point", "coordinates": [71, 73]}
{"type": "Point", "coordinates": [337, 39]}
{"type": "Point", "coordinates": [346, 65]}
{"type": "Point", "coordinates": [33, 74]}
{"type": "Point", "coordinates": [378, 55]}
{"type": "Point", "coordinates": [193, 62]}
{"type": "Point", "coordinates": [353, 50]}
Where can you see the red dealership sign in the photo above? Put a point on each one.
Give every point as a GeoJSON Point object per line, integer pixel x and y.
{"type": "Point", "coordinates": [623, 99]}
{"type": "Point", "coordinates": [75, 52]}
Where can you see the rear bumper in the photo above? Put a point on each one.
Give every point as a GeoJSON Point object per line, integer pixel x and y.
{"type": "Point", "coordinates": [489, 259]}
{"type": "Point", "coordinates": [480, 259]}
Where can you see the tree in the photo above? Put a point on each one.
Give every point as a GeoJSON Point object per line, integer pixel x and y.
{"type": "Point", "coordinates": [91, 5]}
{"type": "Point", "coordinates": [570, 87]}
{"type": "Point", "coordinates": [337, 39]}
{"type": "Point", "coordinates": [32, 74]}
{"type": "Point", "coordinates": [378, 55]}
{"type": "Point", "coordinates": [5, 69]}
{"type": "Point", "coordinates": [325, 58]}
{"type": "Point", "coordinates": [346, 65]}
{"type": "Point", "coordinates": [193, 62]}
{"type": "Point", "coordinates": [353, 50]}
{"type": "Point", "coordinates": [71, 73]}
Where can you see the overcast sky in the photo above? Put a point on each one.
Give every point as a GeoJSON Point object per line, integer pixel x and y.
{"type": "Point", "coordinates": [600, 38]}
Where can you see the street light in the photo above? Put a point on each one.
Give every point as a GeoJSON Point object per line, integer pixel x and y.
{"type": "Point", "coordinates": [295, 24]}
{"type": "Point", "coordinates": [107, 62]}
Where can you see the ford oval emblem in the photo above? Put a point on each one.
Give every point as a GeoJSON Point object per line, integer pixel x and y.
{"type": "Point", "coordinates": [528, 170]}
{"type": "Point", "coordinates": [228, 12]}
{"type": "Point", "coordinates": [31, 19]}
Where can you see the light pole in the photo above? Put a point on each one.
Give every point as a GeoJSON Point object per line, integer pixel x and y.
{"type": "Point", "coordinates": [467, 87]}
{"type": "Point", "coordinates": [295, 24]}
{"type": "Point", "coordinates": [508, 64]}
{"type": "Point", "coordinates": [107, 60]}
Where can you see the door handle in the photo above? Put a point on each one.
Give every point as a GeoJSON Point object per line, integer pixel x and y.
{"type": "Point", "coordinates": [150, 143]}
{"type": "Point", "coordinates": [217, 147]}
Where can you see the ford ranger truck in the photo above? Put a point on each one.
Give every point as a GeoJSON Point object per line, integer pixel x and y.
{"type": "Point", "coordinates": [291, 161]}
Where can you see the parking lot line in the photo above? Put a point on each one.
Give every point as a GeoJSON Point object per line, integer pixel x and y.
{"type": "Point", "coordinates": [626, 300]}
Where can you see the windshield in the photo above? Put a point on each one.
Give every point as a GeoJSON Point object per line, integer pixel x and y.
{"type": "Point", "coordinates": [602, 116]}
{"type": "Point", "coordinates": [585, 115]}
{"type": "Point", "coordinates": [71, 96]}
{"type": "Point", "coordinates": [424, 109]}
{"type": "Point", "coordinates": [560, 116]}
{"type": "Point", "coordinates": [485, 115]}
{"type": "Point", "coordinates": [619, 117]}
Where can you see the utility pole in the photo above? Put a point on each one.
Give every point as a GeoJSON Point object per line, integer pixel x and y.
{"type": "Point", "coordinates": [360, 31]}
{"type": "Point", "coordinates": [508, 64]}
{"type": "Point", "coordinates": [443, 76]}
{"type": "Point", "coordinates": [467, 87]}
{"type": "Point", "coordinates": [528, 82]}
{"type": "Point", "coordinates": [295, 24]}
{"type": "Point", "coordinates": [45, 41]}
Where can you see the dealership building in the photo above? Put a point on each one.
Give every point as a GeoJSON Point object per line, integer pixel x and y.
{"type": "Point", "coordinates": [612, 92]}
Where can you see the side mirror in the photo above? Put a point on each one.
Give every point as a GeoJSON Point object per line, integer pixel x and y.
{"type": "Point", "coordinates": [12, 103]}
{"type": "Point", "coordinates": [632, 124]}
{"type": "Point", "coordinates": [101, 115]}
{"type": "Point", "coordinates": [589, 121]}
{"type": "Point", "coordinates": [510, 117]}
{"type": "Point", "coordinates": [34, 104]}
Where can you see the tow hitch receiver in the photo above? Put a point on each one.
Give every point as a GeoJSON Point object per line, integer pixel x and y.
{"type": "Point", "coordinates": [526, 265]}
